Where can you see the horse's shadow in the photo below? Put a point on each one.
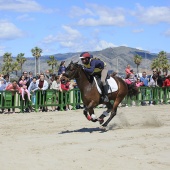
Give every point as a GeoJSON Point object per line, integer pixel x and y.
{"type": "Point", "coordinates": [89, 130]}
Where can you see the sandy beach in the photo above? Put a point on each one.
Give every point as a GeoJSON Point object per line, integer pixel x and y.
{"type": "Point", "coordinates": [138, 138]}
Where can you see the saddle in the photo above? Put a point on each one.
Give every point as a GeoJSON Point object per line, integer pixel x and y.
{"type": "Point", "coordinates": [109, 82]}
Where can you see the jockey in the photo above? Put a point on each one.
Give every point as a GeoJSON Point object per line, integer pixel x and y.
{"type": "Point", "coordinates": [95, 66]}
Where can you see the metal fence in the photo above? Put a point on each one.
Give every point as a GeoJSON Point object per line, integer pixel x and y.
{"type": "Point", "coordinates": [8, 99]}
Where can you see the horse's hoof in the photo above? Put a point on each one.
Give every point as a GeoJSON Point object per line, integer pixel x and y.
{"type": "Point", "coordinates": [94, 120]}
{"type": "Point", "coordinates": [102, 128]}
{"type": "Point", "coordinates": [101, 121]}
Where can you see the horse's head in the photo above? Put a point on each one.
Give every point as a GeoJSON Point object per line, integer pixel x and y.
{"type": "Point", "coordinates": [72, 70]}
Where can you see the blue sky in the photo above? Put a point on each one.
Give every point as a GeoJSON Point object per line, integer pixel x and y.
{"type": "Point", "coordinates": [83, 25]}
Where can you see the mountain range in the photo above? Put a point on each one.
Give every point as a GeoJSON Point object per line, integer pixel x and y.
{"type": "Point", "coordinates": [116, 58]}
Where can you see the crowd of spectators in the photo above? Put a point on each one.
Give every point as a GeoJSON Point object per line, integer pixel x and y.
{"type": "Point", "coordinates": [153, 80]}
{"type": "Point", "coordinates": [27, 85]}
{"type": "Point", "coordinates": [156, 79]}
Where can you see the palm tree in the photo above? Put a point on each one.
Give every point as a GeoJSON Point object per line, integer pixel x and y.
{"type": "Point", "coordinates": [155, 64]}
{"type": "Point", "coordinates": [6, 68]}
{"type": "Point", "coordinates": [137, 60]}
{"type": "Point", "coordinates": [161, 62]}
{"type": "Point", "coordinates": [16, 66]}
{"type": "Point", "coordinates": [52, 62]}
{"type": "Point", "coordinates": [7, 59]}
{"type": "Point", "coordinates": [36, 52]}
{"type": "Point", "coordinates": [21, 60]}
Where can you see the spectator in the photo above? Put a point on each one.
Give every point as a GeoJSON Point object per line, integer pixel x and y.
{"type": "Point", "coordinates": [1, 78]}
{"type": "Point", "coordinates": [62, 68]}
{"type": "Point", "coordinates": [23, 89]}
{"type": "Point", "coordinates": [65, 86]}
{"type": "Point", "coordinates": [150, 76]}
{"type": "Point", "coordinates": [30, 77]}
{"type": "Point", "coordinates": [56, 85]}
{"type": "Point", "coordinates": [138, 83]}
{"type": "Point", "coordinates": [127, 70]}
{"type": "Point", "coordinates": [37, 76]}
{"type": "Point", "coordinates": [6, 77]}
{"type": "Point", "coordinates": [42, 85]}
{"type": "Point", "coordinates": [166, 83]}
{"type": "Point", "coordinates": [48, 78]}
{"type": "Point", "coordinates": [3, 84]}
{"type": "Point", "coordinates": [32, 88]}
{"type": "Point", "coordinates": [153, 81]}
{"type": "Point", "coordinates": [144, 79]}
{"type": "Point", "coordinates": [14, 88]}
{"type": "Point", "coordinates": [160, 79]}
{"type": "Point", "coordinates": [130, 78]}
{"type": "Point", "coordinates": [27, 78]}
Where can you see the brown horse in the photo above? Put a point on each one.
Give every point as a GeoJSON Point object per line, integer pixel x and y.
{"type": "Point", "coordinates": [90, 95]}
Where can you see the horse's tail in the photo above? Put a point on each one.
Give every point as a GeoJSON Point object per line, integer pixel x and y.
{"type": "Point", "coordinates": [133, 90]}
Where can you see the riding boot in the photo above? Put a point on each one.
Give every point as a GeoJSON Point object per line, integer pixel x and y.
{"type": "Point", "coordinates": [105, 89]}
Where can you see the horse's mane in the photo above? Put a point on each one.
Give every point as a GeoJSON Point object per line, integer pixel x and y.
{"type": "Point", "coordinates": [89, 77]}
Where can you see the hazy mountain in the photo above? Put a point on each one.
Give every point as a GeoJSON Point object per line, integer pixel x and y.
{"type": "Point", "coordinates": [116, 58]}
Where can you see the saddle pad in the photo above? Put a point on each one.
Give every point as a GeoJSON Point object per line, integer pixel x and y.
{"type": "Point", "coordinates": [112, 85]}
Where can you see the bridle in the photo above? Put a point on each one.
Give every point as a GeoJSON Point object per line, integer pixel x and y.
{"type": "Point", "coordinates": [79, 68]}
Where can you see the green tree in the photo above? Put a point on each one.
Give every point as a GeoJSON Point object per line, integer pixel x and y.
{"type": "Point", "coordinates": [16, 66]}
{"type": "Point", "coordinates": [137, 60]}
{"type": "Point", "coordinates": [7, 66]}
{"type": "Point", "coordinates": [21, 60]}
{"type": "Point", "coordinates": [52, 62]}
{"type": "Point", "coordinates": [161, 62]}
{"type": "Point", "coordinates": [36, 52]}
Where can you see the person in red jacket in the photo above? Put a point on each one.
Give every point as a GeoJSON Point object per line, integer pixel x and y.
{"type": "Point", "coordinates": [65, 86]}
{"type": "Point", "coordinates": [13, 88]}
{"type": "Point", "coordinates": [167, 81]}
{"type": "Point", "coordinates": [127, 70]}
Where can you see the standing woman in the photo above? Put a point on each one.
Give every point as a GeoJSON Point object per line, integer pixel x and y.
{"type": "Point", "coordinates": [62, 68]}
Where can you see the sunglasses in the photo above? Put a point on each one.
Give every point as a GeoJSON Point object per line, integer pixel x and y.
{"type": "Point", "coordinates": [82, 59]}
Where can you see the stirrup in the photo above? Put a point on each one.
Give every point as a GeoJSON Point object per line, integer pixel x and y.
{"type": "Point", "coordinates": [106, 99]}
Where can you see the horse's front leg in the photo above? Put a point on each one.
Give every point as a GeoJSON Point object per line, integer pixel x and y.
{"type": "Point", "coordinates": [89, 109]}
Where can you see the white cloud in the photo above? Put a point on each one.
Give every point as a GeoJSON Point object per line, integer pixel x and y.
{"type": "Point", "coordinates": [22, 6]}
{"type": "Point", "coordinates": [153, 14]}
{"type": "Point", "coordinates": [77, 11]}
{"type": "Point", "coordinates": [167, 33]}
{"type": "Point", "coordinates": [100, 16]}
{"type": "Point", "coordinates": [138, 30]}
{"type": "Point", "coordinates": [66, 38]}
{"type": "Point", "coordinates": [9, 31]}
{"type": "Point", "coordinates": [102, 44]}
{"type": "Point", "coordinates": [72, 40]}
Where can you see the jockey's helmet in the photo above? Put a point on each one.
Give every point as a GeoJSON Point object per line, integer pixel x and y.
{"type": "Point", "coordinates": [85, 55]}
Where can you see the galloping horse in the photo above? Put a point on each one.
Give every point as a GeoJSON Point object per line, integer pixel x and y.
{"type": "Point", "coordinates": [90, 95]}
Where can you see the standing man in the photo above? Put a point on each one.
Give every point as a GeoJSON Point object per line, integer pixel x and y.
{"type": "Point", "coordinates": [42, 85]}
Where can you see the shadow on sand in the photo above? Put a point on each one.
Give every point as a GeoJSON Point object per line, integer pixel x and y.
{"type": "Point", "coordinates": [89, 130]}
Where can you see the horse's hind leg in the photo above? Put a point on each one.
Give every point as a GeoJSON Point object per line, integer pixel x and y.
{"type": "Point", "coordinates": [113, 113]}
{"type": "Point", "coordinates": [105, 113]}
